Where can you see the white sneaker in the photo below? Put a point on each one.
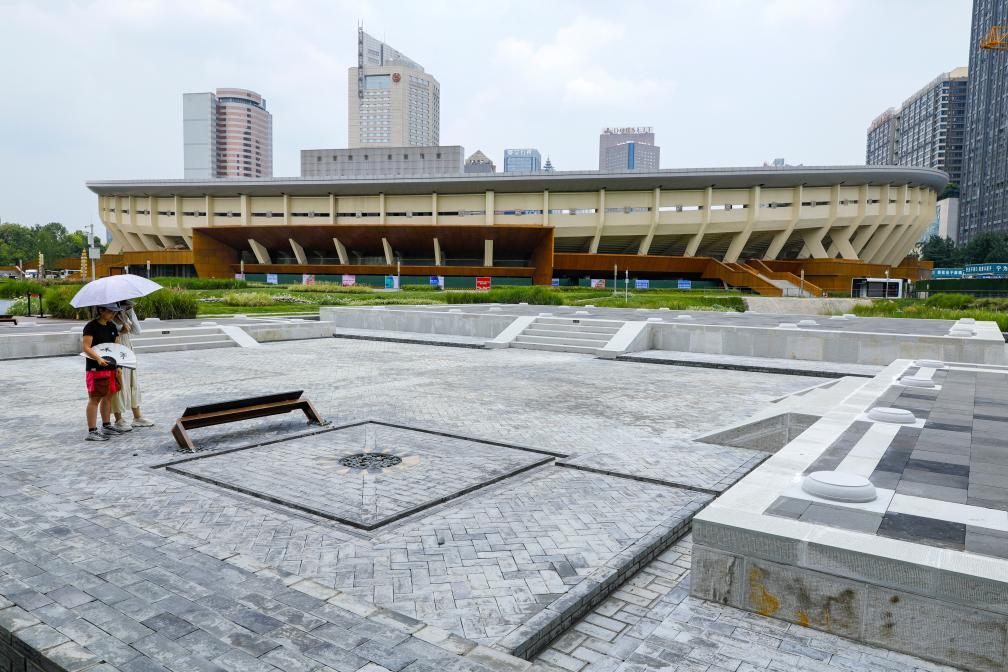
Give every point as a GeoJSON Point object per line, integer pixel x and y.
{"type": "Point", "coordinates": [124, 426]}
{"type": "Point", "coordinates": [96, 435]}
{"type": "Point", "coordinates": [142, 422]}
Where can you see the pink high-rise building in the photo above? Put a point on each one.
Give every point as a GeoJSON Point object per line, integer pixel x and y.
{"type": "Point", "coordinates": [227, 134]}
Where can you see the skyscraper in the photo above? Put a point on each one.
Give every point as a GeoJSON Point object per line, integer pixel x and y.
{"type": "Point", "coordinates": [613, 157]}
{"type": "Point", "coordinates": [984, 188]}
{"type": "Point", "coordinates": [392, 101]}
{"type": "Point", "coordinates": [226, 134]}
{"type": "Point", "coordinates": [926, 131]}
{"type": "Point", "coordinates": [522, 160]}
{"type": "Point", "coordinates": [479, 162]}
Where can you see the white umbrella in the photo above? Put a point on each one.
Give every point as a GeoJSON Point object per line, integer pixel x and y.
{"type": "Point", "coordinates": [113, 289]}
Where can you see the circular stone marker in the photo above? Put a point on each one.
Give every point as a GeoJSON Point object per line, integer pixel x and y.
{"type": "Point", "coordinates": [967, 320]}
{"type": "Point", "coordinates": [655, 319]}
{"type": "Point", "coordinates": [808, 323]}
{"type": "Point", "coordinates": [839, 486]}
{"type": "Point", "coordinates": [929, 363]}
{"type": "Point", "coordinates": [837, 317]}
{"type": "Point", "coordinates": [914, 381]}
{"type": "Point", "coordinates": [896, 415]}
{"type": "Point", "coordinates": [961, 330]}
{"type": "Point", "coordinates": [664, 308]}
{"type": "Point", "coordinates": [370, 461]}
{"type": "Point", "coordinates": [787, 325]}
{"type": "Point", "coordinates": [684, 317]}
{"type": "Point", "coordinates": [849, 316]}
{"type": "Point", "coordinates": [732, 313]}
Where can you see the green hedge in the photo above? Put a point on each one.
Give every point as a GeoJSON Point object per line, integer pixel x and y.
{"type": "Point", "coordinates": [201, 283]}
{"type": "Point", "coordinates": [536, 295]}
{"type": "Point", "coordinates": [57, 303]}
{"type": "Point", "coordinates": [12, 289]}
{"type": "Point", "coordinates": [166, 304]}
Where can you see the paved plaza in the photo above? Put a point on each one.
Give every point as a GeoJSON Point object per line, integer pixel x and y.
{"type": "Point", "coordinates": [525, 483]}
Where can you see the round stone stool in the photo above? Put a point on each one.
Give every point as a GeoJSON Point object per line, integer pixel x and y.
{"type": "Point", "coordinates": [896, 415]}
{"type": "Point", "coordinates": [839, 486]}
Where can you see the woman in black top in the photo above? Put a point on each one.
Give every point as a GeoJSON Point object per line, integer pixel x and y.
{"type": "Point", "coordinates": [100, 374]}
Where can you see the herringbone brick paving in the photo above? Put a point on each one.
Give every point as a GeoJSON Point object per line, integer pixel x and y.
{"type": "Point", "coordinates": [475, 566]}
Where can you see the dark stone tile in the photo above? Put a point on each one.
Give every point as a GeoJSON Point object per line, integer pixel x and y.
{"type": "Point", "coordinates": [885, 479]}
{"type": "Point", "coordinates": [169, 625]}
{"type": "Point", "coordinates": [986, 544]}
{"type": "Point", "coordinates": [932, 491]}
{"type": "Point", "coordinates": [788, 507]}
{"type": "Point", "coordinates": [939, 467]}
{"type": "Point", "coordinates": [934, 478]}
{"type": "Point", "coordinates": [922, 530]}
{"type": "Point", "coordinates": [931, 424]}
{"type": "Point", "coordinates": [843, 517]}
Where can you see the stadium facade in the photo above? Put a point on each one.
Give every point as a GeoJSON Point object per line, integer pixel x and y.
{"type": "Point", "coordinates": [752, 228]}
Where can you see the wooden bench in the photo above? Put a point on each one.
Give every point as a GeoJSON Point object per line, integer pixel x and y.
{"type": "Point", "coordinates": [241, 409]}
{"type": "Point", "coordinates": [8, 318]}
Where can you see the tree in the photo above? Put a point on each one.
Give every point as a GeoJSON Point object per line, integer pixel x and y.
{"type": "Point", "coordinates": [22, 243]}
{"type": "Point", "coordinates": [951, 190]}
{"type": "Point", "coordinates": [942, 251]}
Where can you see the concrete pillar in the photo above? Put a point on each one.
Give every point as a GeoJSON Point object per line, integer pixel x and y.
{"type": "Point", "coordinates": [488, 253]}
{"type": "Point", "coordinates": [165, 243]}
{"type": "Point", "coordinates": [882, 234]}
{"type": "Point", "coordinates": [438, 260]}
{"type": "Point", "coordinates": [332, 208]}
{"type": "Point", "coordinates": [246, 210]}
{"type": "Point", "coordinates": [298, 251]}
{"type": "Point", "coordinates": [694, 243]}
{"type": "Point", "coordinates": [433, 208]}
{"type": "Point", "coordinates": [545, 207]}
{"type": "Point", "coordinates": [154, 218]}
{"type": "Point", "coordinates": [862, 237]}
{"type": "Point", "coordinates": [340, 251]}
{"type": "Point", "coordinates": [208, 204]}
{"type": "Point", "coordinates": [188, 241]}
{"type": "Point", "coordinates": [381, 208]}
{"type": "Point", "coordinates": [260, 251]}
{"type": "Point", "coordinates": [593, 248]}
{"type": "Point", "coordinates": [902, 225]}
{"type": "Point", "coordinates": [841, 240]}
{"type": "Point", "coordinates": [388, 251]}
{"type": "Point", "coordinates": [488, 208]}
{"type": "Point", "coordinates": [645, 244]}
{"type": "Point", "coordinates": [178, 214]}
{"type": "Point", "coordinates": [287, 210]}
{"type": "Point", "coordinates": [782, 237]}
{"type": "Point", "coordinates": [742, 237]}
{"type": "Point", "coordinates": [913, 231]}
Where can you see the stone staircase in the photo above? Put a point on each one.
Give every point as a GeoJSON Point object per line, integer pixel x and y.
{"type": "Point", "coordinates": [187, 338]}
{"type": "Point", "coordinates": [567, 334]}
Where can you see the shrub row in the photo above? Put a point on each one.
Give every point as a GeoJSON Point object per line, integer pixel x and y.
{"type": "Point", "coordinates": [202, 283]}
{"type": "Point", "coordinates": [537, 295]}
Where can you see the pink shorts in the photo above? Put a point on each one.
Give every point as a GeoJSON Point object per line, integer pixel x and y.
{"type": "Point", "coordinates": [101, 383]}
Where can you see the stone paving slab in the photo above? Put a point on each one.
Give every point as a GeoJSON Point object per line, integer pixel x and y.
{"type": "Point", "coordinates": [801, 367]}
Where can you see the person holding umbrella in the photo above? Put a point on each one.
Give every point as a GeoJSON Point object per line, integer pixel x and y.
{"type": "Point", "coordinates": [102, 378]}
{"type": "Point", "coordinates": [100, 374]}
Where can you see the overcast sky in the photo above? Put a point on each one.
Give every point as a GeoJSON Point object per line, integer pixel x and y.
{"type": "Point", "coordinates": [93, 89]}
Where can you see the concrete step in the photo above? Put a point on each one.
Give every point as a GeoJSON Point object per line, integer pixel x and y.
{"type": "Point", "coordinates": [168, 340]}
{"type": "Point", "coordinates": [149, 332]}
{"type": "Point", "coordinates": [554, 333]}
{"type": "Point", "coordinates": [574, 322]}
{"type": "Point", "coordinates": [557, 347]}
{"type": "Point", "coordinates": [222, 342]}
{"type": "Point", "coordinates": [575, 342]}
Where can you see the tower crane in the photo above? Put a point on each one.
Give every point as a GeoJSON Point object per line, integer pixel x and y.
{"type": "Point", "coordinates": [996, 39]}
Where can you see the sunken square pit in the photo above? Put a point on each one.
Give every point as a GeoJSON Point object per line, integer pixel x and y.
{"type": "Point", "coordinates": [364, 475]}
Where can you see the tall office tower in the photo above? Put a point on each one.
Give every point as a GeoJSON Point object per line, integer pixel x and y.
{"type": "Point", "coordinates": [522, 160]}
{"type": "Point", "coordinates": [983, 195]}
{"type": "Point", "coordinates": [227, 134]}
{"type": "Point", "coordinates": [926, 131]}
{"type": "Point", "coordinates": [631, 157]}
{"type": "Point", "coordinates": [883, 139]}
{"type": "Point", "coordinates": [392, 101]}
{"type": "Point", "coordinates": [639, 135]}
{"type": "Point", "coordinates": [479, 162]}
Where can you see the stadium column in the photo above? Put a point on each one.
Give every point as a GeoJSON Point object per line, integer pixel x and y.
{"type": "Point", "coordinates": [600, 219]}
{"type": "Point", "coordinates": [246, 211]}
{"type": "Point", "coordinates": [918, 220]}
{"type": "Point", "coordinates": [208, 206]}
{"type": "Point", "coordinates": [545, 208]}
{"type": "Point", "coordinates": [381, 208]}
{"type": "Point", "coordinates": [179, 219]}
{"type": "Point", "coordinates": [903, 224]}
{"type": "Point", "coordinates": [287, 210]}
{"type": "Point", "coordinates": [742, 237]}
{"type": "Point", "coordinates": [777, 244]}
{"type": "Point", "coordinates": [488, 253]}
{"type": "Point", "coordinates": [694, 243]}
{"type": "Point", "coordinates": [340, 251]}
{"type": "Point", "coordinates": [332, 208]}
{"type": "Point", "coordinates": [862, 237]}
{"type": "Point", "coordinates": [437, 253]}
{"type": "Point", "coordinates": [813, 237]}
{"type": "Point", "coordinates": [388, 251]}
{"type": "Point", "coordinates": [645, 244]}
{"type": "Point", "coordinates": [488, 208]}
{"type": "Point", "coordinates": [259, 250]}
{"type": "Point", "coordinates": [882, 235]}
{"type": "Point", "coordinates": [841, 239]}
{"type": "Point", "coordinates": [433, 207]}
{"type": "Point", "coordinates": [298, 251]}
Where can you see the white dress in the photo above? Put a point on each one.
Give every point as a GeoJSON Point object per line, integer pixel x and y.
{"type": "Point", "coordinates": [128, 397]}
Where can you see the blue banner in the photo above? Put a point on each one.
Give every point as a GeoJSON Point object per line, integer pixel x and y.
{"type": "Point", "coordinates": [684, 284]}
{"type": "Point", "coordinates": [947, 273]}
{"type": "Point", "coordinates": [997, 268]}
{"type": "Point", "coordinates": [642, 284]}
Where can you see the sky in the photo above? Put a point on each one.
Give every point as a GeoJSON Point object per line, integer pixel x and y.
{"type": "Point", "coordinates": [93, 89]}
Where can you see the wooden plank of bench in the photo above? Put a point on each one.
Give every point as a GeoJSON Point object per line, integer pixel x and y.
{"type": "Point", "coordinates": [233, 413]}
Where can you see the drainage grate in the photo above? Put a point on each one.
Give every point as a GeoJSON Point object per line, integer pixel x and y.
{"type": "Point", "coordinates": [370, 461]}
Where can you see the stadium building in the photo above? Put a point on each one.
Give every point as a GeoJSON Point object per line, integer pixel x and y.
{"type": "Point", "coordinates": [757, 229]}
